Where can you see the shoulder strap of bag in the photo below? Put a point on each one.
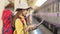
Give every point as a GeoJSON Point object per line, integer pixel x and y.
{"type": "Point", "coordinates": [21, 20]}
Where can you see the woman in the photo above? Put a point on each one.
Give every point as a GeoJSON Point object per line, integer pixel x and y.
{"type": "Point", "coordinates": [7, 18]}
{"type": "Point", "coordinates": [21, 26]}
{"type": "Point", "coordinates": [20, 22]}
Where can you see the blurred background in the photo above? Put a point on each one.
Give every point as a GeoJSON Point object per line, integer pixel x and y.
{"type": "Point", "coordinates": [49, 10]}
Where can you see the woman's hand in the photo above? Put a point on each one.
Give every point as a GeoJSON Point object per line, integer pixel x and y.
{"type": "Point", "coordinates": [31, 27]}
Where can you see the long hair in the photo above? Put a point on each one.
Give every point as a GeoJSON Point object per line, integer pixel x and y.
{"type": "Point", "coordinates": [15, 17]}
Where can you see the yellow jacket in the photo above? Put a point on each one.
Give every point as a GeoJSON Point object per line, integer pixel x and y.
{"type": "Point", "coordinates": [19, 26]}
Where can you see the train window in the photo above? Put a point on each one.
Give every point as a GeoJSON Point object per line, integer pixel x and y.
{"type": "Point", "coordinates": [49, 8]}
{"type": "Point", "coordinates": [59, 6]}
{"type": "Point", "coordinates": [53, 7]}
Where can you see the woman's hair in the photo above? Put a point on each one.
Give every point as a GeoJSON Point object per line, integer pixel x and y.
{"type": "Point", "coordinates": [10, 5]}
{"type": "Point", "coordinates": [15, 17]}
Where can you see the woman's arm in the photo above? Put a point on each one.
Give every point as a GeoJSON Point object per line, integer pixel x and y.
{"type": "Point", "coordinates": [33, 26]}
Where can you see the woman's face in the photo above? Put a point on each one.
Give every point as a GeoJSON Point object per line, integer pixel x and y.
{"type": "Point", "coordinates": [25, 11]}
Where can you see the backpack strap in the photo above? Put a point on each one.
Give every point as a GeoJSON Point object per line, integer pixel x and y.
{"type": "Point", "coordinates": [21, 20]}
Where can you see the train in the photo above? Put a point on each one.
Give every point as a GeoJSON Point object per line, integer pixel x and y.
{"type": "Point", "coordinates": [50, 12]}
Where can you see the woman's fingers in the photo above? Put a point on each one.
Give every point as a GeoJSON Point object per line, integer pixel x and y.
{"type": "Point", "coordinates": [39, 23]}
{"type": "Point", "coordinates": [26, 29]}
{"type": "Point", "coordinates": [31, 27]}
